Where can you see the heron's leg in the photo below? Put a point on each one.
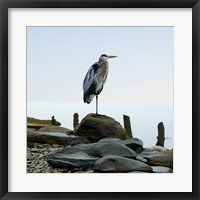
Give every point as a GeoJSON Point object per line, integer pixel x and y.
{"type": "Point", "coordinates": [96, 104]}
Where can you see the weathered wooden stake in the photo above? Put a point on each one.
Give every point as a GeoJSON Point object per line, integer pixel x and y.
{"type": "Point", "coordinates": [161, 135]}
{"type": "Point", "coordinates": [53, 121]}
{"type": "Point", "coordinates": [127, 126]}
{"type": "Point", "coordinates": [76, 120]}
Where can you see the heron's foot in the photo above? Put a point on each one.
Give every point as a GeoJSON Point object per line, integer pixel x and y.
{"type": "Point", "coordinates": [96, 115]}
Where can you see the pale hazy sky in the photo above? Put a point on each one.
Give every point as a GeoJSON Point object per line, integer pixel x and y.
{"type": "Point", "coordinates": [59, 57]}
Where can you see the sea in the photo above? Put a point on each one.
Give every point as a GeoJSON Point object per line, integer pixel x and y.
{"type": "Point", "coordinates": [144, 117]}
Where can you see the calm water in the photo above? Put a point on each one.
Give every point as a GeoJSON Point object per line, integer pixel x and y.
{"type": "Point", "coordinates": [144, 117]}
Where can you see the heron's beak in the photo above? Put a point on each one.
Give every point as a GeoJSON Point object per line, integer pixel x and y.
{"type": "Point", "coordinates": [112, 57]}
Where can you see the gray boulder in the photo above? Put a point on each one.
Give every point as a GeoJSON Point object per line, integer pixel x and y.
{"type": "Point", "coordinates": [54, 138]}
{"type": "Point", "coordinates": [95, 128]}
{"type": "Point", "coordinates": [74, 160]}
{"type": "Point", "coordinates": [105, 148]}
{"type": "Point", "coordinates": [120, 164]}
{"type": "Point", "coordinates": [134, 144]}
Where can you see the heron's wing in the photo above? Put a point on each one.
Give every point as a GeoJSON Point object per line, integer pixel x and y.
{"type": "Point", "coordinates": [89, 81]}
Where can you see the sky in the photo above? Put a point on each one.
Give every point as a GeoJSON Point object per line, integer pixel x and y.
{"type": "Point", "coordinates": [59, 57]}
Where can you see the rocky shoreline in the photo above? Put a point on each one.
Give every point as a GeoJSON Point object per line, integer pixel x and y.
{"type": "Point", "coordinates": [98, 144]}
{"type": "Point", "coordinates": [37, 162]}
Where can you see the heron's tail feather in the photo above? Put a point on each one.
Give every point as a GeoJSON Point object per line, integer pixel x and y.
{"type": "Point", "coordinates": [88, 98]}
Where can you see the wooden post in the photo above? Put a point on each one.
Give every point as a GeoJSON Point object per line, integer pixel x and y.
{"type": "Point", "coordinates": [161, 135]}
{"type": "Point", "coordinates": [76, 120]}
{"type": "Point", "coordinates": [127, 126]}
{"type": "Point", "coordinates": [53, 121]}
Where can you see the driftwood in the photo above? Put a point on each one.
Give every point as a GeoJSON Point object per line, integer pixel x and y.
{"type": "Point", "coordinates": [127, 126]}
{"type": "Point", "coordinates": [75, 120]}
{"type": "Point", "coordinates": [161, 135]}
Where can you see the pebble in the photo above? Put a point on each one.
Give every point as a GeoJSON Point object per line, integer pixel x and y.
{"type": "Point", "coordinates": [37, 163]}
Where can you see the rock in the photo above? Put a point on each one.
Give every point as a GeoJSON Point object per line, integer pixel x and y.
{"type": "Point", "coordinates": [110, 140]}
{"type": "Point", "coordinates": [95, 128]}
{"type": "Point", "coordinates": [89, 171]}
{"type": "Point", "coordinates": [148, 152]}
{"type": "Point", "coordinates": [120, 164]}
{"type": "Point", "coordinates": [34, 150]}
{"type": "Point", "coordinates": [137, 172]}
{"type": "Point", "coordinates": [36, 124]}
{"type": "Point", "coordinates": [103, 148]}
{"type": "Point", "coordinates": [159, 149]}
{"type": "Point", "coordinates": [55, 129]}
{"type": "Point", "coordinates": [33, 120]}
{"type": "Point", "coordinates": [134, 144]}
{"type": "Point", "coordinates": [161, 169]}
{"type": "Point", "coordinates": [141, 158]}
{"type": "Point", "coordinates": [54, 138]}
{"type": "Point", "coordinates": [30, 144]}
{"type": "Point", "coordinates": [31, 129]}
{"type": "Point", "coordinates": [161, 159]}
{"type": "Point", "coordinates": [36, 160]}
{"type": "Point", "coordinates": [74, 160]}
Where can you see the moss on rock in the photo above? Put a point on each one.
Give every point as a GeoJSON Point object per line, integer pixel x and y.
{"type": "Point", "coordinates": [38, 123]}
{"type": "Point", "coordinates": [96, 127]}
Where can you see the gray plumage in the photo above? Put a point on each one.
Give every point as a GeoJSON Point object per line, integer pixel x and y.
{"type": "Point", "coordinates": [95, 78]}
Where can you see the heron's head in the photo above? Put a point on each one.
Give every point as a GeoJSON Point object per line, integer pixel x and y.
{"type": "Point", "coordinates": [106, 57]}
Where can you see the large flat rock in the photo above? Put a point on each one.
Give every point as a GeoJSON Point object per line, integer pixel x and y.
{"type": "Point", "coordinates": [54, 138]}
{"type": "Point", "coordinates": [73, 160]}
{"type": "Point", "coordinates": [105, 148]}
{"type": "Point", "coordinates": [38, 123]}
{"type": "Point", "coordinates": [93, 150]}
{"type": "Point", "coordinates": [120, 164]}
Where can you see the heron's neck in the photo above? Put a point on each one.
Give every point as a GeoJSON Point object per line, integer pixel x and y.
{"type": "Point", "coordinates": [102, 62]}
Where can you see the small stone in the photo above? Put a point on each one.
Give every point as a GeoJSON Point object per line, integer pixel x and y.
{"type": "Point", "coordinates": [161, 169]}
{"type": "Point", "coordinates": [89, 171]}
{"type": "Point", "coordinates": [55, 145]}
{"type": "Point", "coordinates": [34, 150]}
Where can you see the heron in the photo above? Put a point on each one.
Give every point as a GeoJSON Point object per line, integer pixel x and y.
{"type": "Point", "coordinates": [95, 78]}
